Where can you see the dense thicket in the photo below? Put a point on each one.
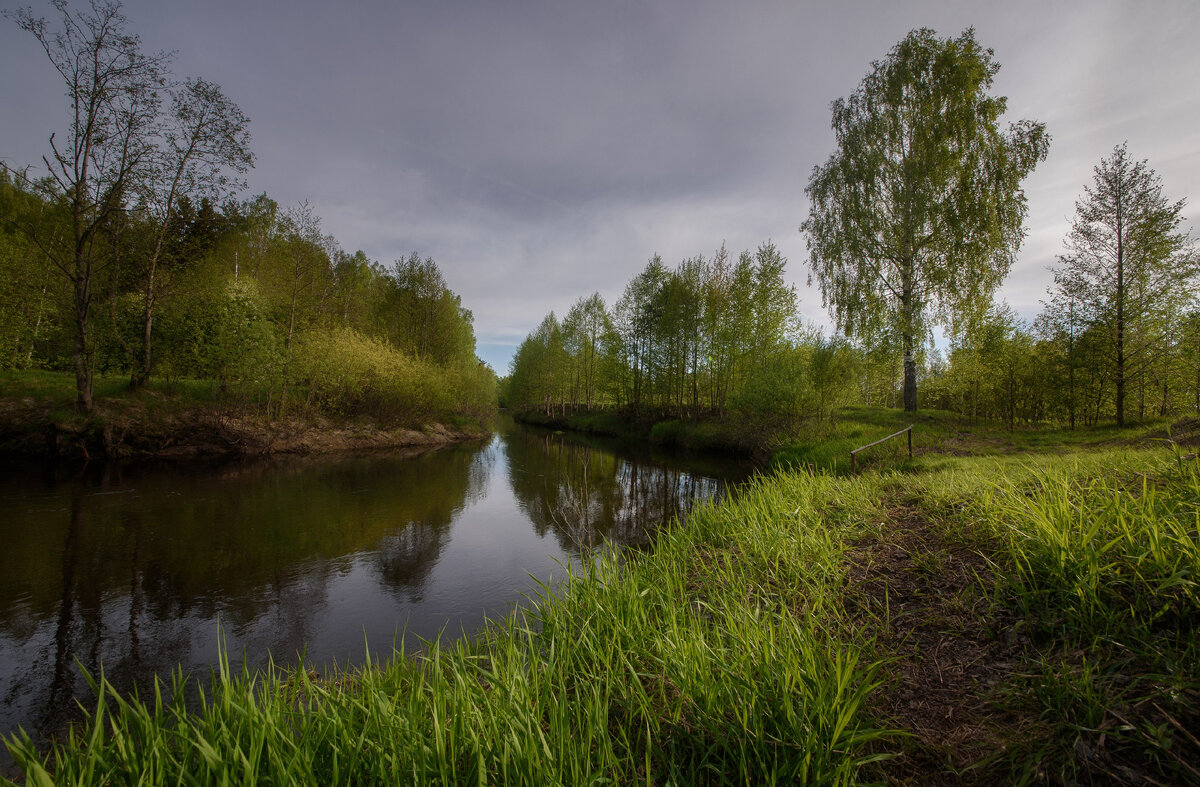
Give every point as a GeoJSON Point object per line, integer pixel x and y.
{"type": "Point", "coordinates": [254, 297]}
{"type": "Point", "coordinates": [710, 337]}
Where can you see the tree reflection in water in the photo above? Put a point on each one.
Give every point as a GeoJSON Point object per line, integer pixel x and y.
{"type": "Point", "coordinates": [585, 494]}
{"type": "Point", "coordinates": [134, 571]}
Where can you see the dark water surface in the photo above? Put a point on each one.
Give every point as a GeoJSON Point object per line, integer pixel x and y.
{"type": "Point", "coordinates": [143, 569]}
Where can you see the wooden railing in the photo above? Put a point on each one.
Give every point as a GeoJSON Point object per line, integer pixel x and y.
{"type": "Point", "coordinates": [854, 453]}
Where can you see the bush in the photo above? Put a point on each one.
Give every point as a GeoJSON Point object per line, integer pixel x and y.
{"type": "Point", "coordinates": [348, 373]}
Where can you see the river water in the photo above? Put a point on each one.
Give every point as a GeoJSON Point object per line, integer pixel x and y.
{"type": "Point", "coordinates": [142, 569]}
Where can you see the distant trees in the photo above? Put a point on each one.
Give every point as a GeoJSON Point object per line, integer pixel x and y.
{"type": "Point", "coordinates": [917, 216]}
{"type": "Point", "coordinates": [705, 338]}
{"type": "Point", "coordinates": [1128, 277]}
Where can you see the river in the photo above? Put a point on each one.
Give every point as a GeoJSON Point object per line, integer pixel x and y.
{"type": "Point", "coordinates": [144, 569]}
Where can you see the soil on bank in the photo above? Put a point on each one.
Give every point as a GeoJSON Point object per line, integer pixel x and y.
{"type": "Point", "coordinates": [155, 426]}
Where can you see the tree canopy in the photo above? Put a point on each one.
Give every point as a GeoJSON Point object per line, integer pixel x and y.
{"type": "Point", "coordinates": [916, 218]}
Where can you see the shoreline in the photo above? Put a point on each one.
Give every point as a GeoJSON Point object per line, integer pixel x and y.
{"type": "Point", "coordinates": [708, 436]}
{"type": "Point", "coordinates": [122, 430]}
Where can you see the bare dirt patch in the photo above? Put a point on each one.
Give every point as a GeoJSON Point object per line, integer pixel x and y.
{"type": "Point", "coordinates": [918, 595]}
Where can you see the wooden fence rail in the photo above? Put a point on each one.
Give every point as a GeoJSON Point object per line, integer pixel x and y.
{"type": "Point", "coordinates": [854, 453]}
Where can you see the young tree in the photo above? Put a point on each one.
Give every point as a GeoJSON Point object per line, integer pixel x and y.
{"type": "Point", "coordinates": [203, 139]}
{"type": "Point", "coordinates": [1129, 266]}
{"type": "Point", "coordinates": [584, 328]}
{"type": "Point", "coordinates": [112, 87]}
{"type": "Point", "coordinates": [917, 216]}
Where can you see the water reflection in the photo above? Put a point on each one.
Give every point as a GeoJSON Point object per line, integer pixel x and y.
{"type": "Point", "coordinates": [586, 494]}
{"type": "Point", "coordinates": [138, 570]}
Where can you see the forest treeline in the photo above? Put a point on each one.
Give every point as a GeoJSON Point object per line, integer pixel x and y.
{"type": "Point", "coordinates": [128, 252]}
{"type": "Point", "coordinates": [915, 221]}
{"type": "Point", "coordinates": [252, 296]}
{"type": "Point", "coordinates": [712, 336]}
{"type": "Point", "coordinates": [1118, 338]}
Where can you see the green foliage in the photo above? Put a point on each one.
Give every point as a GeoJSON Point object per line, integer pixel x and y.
{"type": "Point", "coordinates": [244, 350]}
{"type": "Point", "coordinates": [1127, 283]}
{"type": "Point", "coordinates": [707, 338]}
{"type": "Point", "coordinates": [421, 316]}
{"type": "Point", "coordinates": [343, 371]}
{"type": "Point", "coordinates": [916, 218]}
{"type": "Point", "coordinates": [1120, 336]}
{"type": "Point", "coordinates": [236, 292]}
{"type": "Point", "coordinates": [30, 295]}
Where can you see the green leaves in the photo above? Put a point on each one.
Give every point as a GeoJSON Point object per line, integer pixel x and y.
{"type": "Point", "coordinates": [918, 214]}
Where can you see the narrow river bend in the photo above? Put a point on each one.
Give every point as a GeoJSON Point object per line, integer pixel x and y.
{"type": "Point", "coordinates": [143, 569]}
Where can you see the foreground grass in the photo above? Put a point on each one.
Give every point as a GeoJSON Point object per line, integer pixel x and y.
{"type": "Point", "coordinates": [741, 649]}
{"type": "Point", "coordinates": [709, 659]}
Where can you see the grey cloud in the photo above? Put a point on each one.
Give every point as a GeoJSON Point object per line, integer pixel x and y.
{"type": "Point", "coordinates": [543, 150]}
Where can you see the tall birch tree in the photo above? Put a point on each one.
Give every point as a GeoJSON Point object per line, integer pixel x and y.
{"type": "Point", "coordinates": [112, 89]}
{"type": "Point", "coordinates": [916, 218]}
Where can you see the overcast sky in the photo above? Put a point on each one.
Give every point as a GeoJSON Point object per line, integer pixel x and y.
{"type": "Point", "coordinates": [540, 151]}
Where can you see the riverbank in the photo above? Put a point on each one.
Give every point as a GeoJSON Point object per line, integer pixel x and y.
{"type": "Point", "coordinates": [825, 445]}
{"type": "Point", "coordinates": [1027, 616]}
{"type": "Point", "coordinates": [186, 420]}
{"type": "Point", "coordinates": [712, 435]}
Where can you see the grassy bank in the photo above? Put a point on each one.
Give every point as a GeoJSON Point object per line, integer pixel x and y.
{"type": "Point", "coordinates": [1023, 617]}
{"type": "Point", "coordinates": [939, 435]}
{"type": "Point", "coordinates": [825, 445]}
{"type": "Point", "coordinates": [183, 418]}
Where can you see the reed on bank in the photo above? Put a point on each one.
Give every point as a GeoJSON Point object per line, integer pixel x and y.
{"type": "Point", "coordinates": [710, 657]}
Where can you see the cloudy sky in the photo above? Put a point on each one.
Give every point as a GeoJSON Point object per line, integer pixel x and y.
{"type": "Point", "coordinates": [540, 151]}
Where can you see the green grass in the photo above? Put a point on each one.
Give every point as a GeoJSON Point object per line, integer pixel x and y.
{"type": "Point", "coordinates": [1098, 558]}
{"type": "Point", "coordinates": [728, 651]}
{"type": "Point", "coordinates": [708, 659]}
{"type": "Point", "coordinates": [827, 446]}
{"type": "Point", "coordinates": [59, 387]}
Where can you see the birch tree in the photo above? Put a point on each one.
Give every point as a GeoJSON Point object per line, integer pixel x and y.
{"type": "Point", "coordinates": [203, 141]}
{"type": "Point", "coordinates": [917, 216]}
